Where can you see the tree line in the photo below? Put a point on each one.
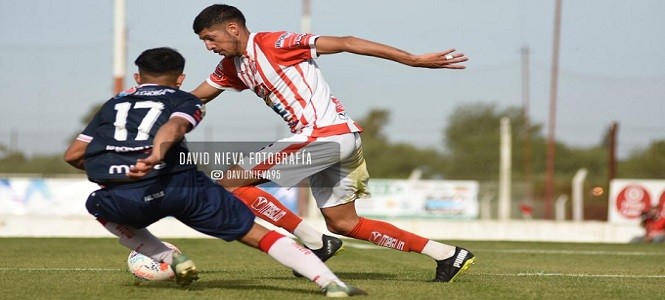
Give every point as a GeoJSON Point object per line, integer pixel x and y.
{"type": "Point", "coordinates": [470, 152]}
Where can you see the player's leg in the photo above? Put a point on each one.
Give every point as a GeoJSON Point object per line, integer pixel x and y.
{"type": "Point", "coordinates": [336, 190]}
{"type": "Point", "coordinates": [113, 207]}
{"type": "Point", "coordinates": [263, 204]}
{"type": "Point", "coordinates": [210, 209]}
{"type": "Point", "coordinates": [342, 219]}
{"type": "Point", "coordinates": [302, 260]}
{"type": "Point", "coordinates": [108, 210]}
{"type": "Point", "coordinates": [140, 240]}
{"type": "Point", "coordinates": [269, 208]}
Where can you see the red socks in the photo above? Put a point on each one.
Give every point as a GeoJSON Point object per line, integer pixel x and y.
{"type": "Point", "coordinates": [387, 235]}
{"type": "Point", "coordinates": [267, 207]}
{"type": "Point", "coordinates": [268, 240]}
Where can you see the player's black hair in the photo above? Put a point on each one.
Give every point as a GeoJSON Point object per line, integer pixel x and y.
{"type": "Point", "coordinates": [160, 61]}
{"type": "Point", "coordinates": [217, 14]}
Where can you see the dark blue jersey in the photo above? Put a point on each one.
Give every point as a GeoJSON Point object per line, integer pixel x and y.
{"type": "Point", "coordinates": [123, 129]}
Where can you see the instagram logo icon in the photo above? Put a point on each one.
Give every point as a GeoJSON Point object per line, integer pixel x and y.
{"type": "Point", "coordinates": [216, 174]}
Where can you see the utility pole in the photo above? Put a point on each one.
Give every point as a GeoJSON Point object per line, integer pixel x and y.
{"type": "Point", "coordinates": [551, 140]}
{"type": "Point", "coordinates": [505, 167]}
{"type": "Point", "coordinates": [612, 168]}
{"type": "Point", "coordinates": [119, 46]}
{"type": "Point", "coordinates": [527, 123]}
{"type": "Point", "coordinates": [306, 17]}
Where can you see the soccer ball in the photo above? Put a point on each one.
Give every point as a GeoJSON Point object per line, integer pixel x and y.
{"type": "Point", "coordinates": [144, 267]}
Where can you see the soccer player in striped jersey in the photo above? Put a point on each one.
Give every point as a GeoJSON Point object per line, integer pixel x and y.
{"type": "Point", "coordinates": [132, 148]}
{"type": "Point", "coordinates": [280, 68]}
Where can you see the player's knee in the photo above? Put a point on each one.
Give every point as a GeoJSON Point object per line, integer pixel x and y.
{"type": "Point", "coordinates": [341, 227]}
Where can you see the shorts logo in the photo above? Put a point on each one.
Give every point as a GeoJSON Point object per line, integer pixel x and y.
{"type": "Point", "coordinates": [268, 209]}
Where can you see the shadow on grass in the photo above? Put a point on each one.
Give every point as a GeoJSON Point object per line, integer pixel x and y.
{"type": "Point", "coordinates": [344, 276]}
{"type": "Point", "coordinates": [239, 285]}
{"type": "Point", "coordinates": [365, 276]}
{"type": "Point", "coordinates": [341, 275]}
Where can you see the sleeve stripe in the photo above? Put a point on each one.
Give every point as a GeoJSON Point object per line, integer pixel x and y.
{"type": "Point", "coordinates": [185, 116]}
{"type": "Point", "coordinates": [312, 44]}
{"type": "Point", "coordinates": [84, 138]}
{"type": "Point", "coordinates": [219, 87]}
{"type": "Point", "coordinates": [214, 84]}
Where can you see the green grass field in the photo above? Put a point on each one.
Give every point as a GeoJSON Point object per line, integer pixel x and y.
{"type": "Point", "coordinates": [96, 269]}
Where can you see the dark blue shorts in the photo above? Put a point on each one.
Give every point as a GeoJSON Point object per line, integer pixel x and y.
{"type": "Point", "coordinates": [189, 196]}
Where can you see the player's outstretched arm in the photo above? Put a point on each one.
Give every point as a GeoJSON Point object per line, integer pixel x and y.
{"type": "Point", "coordinates": [448, 59]}
{"type": "Point", "coordinates": [170, 133]}
{"type": "Point", "coordinates": [206, 92]}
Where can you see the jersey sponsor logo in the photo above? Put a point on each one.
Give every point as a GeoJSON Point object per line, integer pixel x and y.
{"type": "Point", "coordinates": [126, 149]}
{"type": "Point", "coordinates": [460, 258]}
{"type": "Point", "coordinates": [264, 207]}
{"type": "Point", "coordinates": [386, 241]}
{"type": "Point", "coordinates": [289, 40]}
{"type": "Point", "coordinates": [127, 92]}
{"type": "Point", "coordinates": [161, 92]}
{"type": "Point", "coordinates": [296, 40]}
{"type": "Point", "coordinates": [280, 40]}
{"type": "Point", "coordinates": [119, 169]}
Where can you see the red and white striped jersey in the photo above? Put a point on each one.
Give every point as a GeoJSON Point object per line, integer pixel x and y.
{"type": "Point", "coordinates": [279, 67]}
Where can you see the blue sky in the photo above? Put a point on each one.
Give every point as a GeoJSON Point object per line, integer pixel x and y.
{"type": "Point", "coordinates": [57, 63]}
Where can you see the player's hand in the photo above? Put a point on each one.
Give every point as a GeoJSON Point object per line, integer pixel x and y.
{"type": "Point", "coordinates": [449, 59]}
{"type": "Point", "coordinates": [142, 167]}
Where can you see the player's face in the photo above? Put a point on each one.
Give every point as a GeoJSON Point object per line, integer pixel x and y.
{"type": "Point", "coordinates": [221, 40]}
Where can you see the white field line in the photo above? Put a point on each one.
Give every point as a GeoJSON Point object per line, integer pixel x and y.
{"type": "Point", "coordinates": [569, 275]}
{"type": "Point", "coordinates": [542, 274]}
{"type": "Point", "coordinates": [531, 251]}
{"type": "Point", "coordinates": [584, 252]}
{"type": "Point", "coordinates": [63, 269]}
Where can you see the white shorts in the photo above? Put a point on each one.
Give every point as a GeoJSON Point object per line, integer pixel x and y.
{"type": "Point", "coordinates": [335, 166]}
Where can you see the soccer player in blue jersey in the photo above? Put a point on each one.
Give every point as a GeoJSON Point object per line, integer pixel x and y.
{"type": "Point", "coordinates": [132, 147]}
